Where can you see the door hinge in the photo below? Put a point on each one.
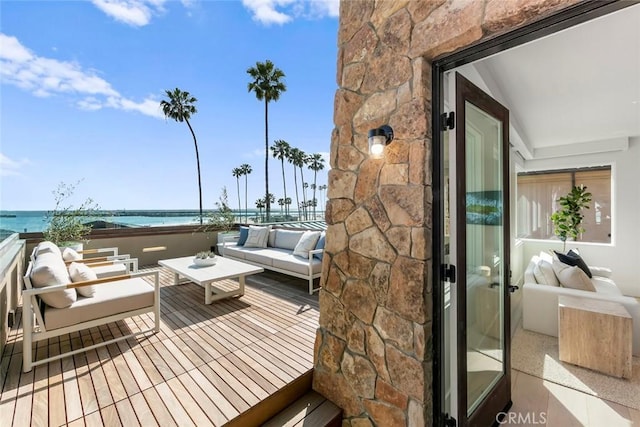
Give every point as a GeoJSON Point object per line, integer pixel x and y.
{"type": "Point", "coordinates": [448, 121]}
{"type": "Point", "coordinates": [449, 421]}
{"type": "Point", "coordinates": [449, 272]}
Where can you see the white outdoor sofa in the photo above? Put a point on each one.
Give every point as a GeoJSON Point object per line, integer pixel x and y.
{"type": "Point", "coordinates": [278, 255]}
{"type": "Point", "coordinates": [52, 308]}
{"type": "Point", "coordinates": [540, 301]}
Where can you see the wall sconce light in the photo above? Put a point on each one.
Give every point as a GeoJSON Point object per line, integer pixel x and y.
{"type": "Point", "coordinates": [378, 139]}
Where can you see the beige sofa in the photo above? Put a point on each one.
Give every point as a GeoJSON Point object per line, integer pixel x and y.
{"type": "Point", "coordinates": [54, 304]}
{"type": "Point", "coordinates": [278, 255]}
{"type": "Point", "coordinates": [540, 301]}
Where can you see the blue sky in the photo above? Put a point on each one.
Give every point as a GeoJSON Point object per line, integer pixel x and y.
{"type": "Point", "coordinates": [81, 83]}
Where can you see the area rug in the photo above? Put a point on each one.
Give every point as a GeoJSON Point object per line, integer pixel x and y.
{"type": "Point", "coordinates": [537, 355]}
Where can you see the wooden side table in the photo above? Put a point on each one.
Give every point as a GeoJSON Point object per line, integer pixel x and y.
{"type": "Point", "coordinates": [595, 334]}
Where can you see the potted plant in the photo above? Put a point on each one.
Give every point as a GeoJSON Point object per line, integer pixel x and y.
{"type": "Point", "coordinates": [204, 258]}
{"type": "Point", "coordinates": [68, 226]}
{"type": "Point", "coordinates": [222, 220]}
{"type": "Point", "coordinates": [567, 221]}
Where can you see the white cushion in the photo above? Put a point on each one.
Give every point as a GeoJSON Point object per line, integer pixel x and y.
{"type": "Point", "coordinates": [297, 265]}
{"type": "Point", "coordinates": [81, 273]}
{"type": "Point", "coordinates": [47, 247]}
{"type": "Point", "coordinates": [572, 276]}
{"type": "Point", "coordinates": [69, 254]}
{"type": "Point", "coordinates": [258, 237]}
{"type": "Point", "coordinates": [306, 243]}
{"type": "Point", "coordinates": [272, 238]}
{"type": "Point", "coordinates": [544, 274]}
{"type": "Point", "coordinates": [605, 286]}
{"type": "Point", "coordinates": [110, 270]}
{"type": "Point", "coordinates": [287, 239]}
{"type": "Point", "coordinates": [546, 256]}
{"type": "Point", "coordinates": [49, 270]}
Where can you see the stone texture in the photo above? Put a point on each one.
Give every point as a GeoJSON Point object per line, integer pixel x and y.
{"type": "Point", "coordinates": [353, 75]}
{"type": "Point", "coordinates": [407, 374]}
{"type": "Point", "coordinates": [329, 352]}
{"type": "Point", "coordinates": [361, 422]}
{"type": "Point", "coordinates": [374, 107]}
{"type": "Point", "coordinates": [333, 316]}
{"type": "Point", "coordinates": [360, 374]}
{"type": "Point", "coordinates": [375, 351]}
{"type": "Point", "coordinates": [419, 333]}
{"type": "Point", "coordinates": [410, 120]}
{"type": "Point", "coordinates": [349, 158]}
{"type": "Point", "coordinates": [395, 33]}
{"type": "Point", "coordinates": [406, 287]}
{"type": "Point", "coordinates": [500, 15]}
{"type": "Point", "coordinates": [354, 265]}
{"type": "Point", "coordinates": [405, 204]}
{"type": "Point", "coordinates": [341, 393]}
{"type": "Point", "coordinates": [358, 220]}
{"type": "Point", "coordinates": [385, 9]}
{"type": "Point", "coordinates": [384, 414]}
{"type": "Point", "coordinates": [419, 247]}
{"type": "Point", "coordinates": [341, 184]}
{"type": "Point", "coordinates": [378, 213]}
{"type": "Point", "coordinates": [353, 15]}
{"type": "Point", "coordinates": [417, 159]}
{"type": "Point", "coordinates": [346, 104]}
{"type": "Point", "coordinates": [394, 174]}
{"type": "Point", "coordinates": [356, 338]}
{"type": "Point", "coordinates": [367, 183]}
{"type": "Point", "coordinates": [455, 24]}
{"type": "Point", "coordinates": [333, 281]}
{"type": "Point", "coordinates": [359, 299]}
{"type": "Point", "coordinates": [419, 10]}
{"type": "Point", "coordinates": [387, 68]}
{"type": "Point", "coordinates": [386, 392]}
{"type": "Point", "coordinates": [379, 281]}
{"type": "Point", "coordinates": [415, 415]}
{"type": "Point", "coordinates": [372, 244]}
{"type": "Point", "coordinates": [360, 46]}
{"type": "Point", "coordinates": [338, 210]}
{"type": "Point", "coordinates": [397, 152]}
{"type": "Point", "coordinates": [337, 239]}
{"type": "Point", "coordinates": [422, 80]}
{"type": "Point", "coordinates": [400, 238]}
{"type": "Point", "coordinates": [394, 329]}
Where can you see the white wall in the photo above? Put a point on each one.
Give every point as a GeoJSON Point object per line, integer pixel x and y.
{"type": "Point", "coordinates": [623, 254]}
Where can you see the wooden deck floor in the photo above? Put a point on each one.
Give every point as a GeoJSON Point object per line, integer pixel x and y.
{"type": "Point", "coordinates": [208, 364]}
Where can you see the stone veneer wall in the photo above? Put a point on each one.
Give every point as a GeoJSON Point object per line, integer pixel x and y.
{"type": "Point", "coordinates": [373, 354]}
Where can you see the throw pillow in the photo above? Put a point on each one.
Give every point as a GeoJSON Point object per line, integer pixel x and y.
{"type": "Point", "coordinates": [49, 270]}
{"type": "Point", "coordinates": [46, 246]}
{"type": "Point", "coordinates": [306, 243]}
{"type": "Point", "coordinates": [244, 233]}
{"type": "Point", "coordinates": [69, 254]}
{"type": "Point", "coordinates": [573, 259]}
{"type": "Point", "coordinates": [572, 276]}
{"type": "Point", "coordinates": [320, 245]}
{"type": "Point", "coordinates": [288, 239]}
{"type": "Point", "coordinates": [81, 273]}
{"type": "Point", "coordinates": [544, 274]}
{"type": "Point", "coordinates": [272, 238]}
{"type": "Point", "coordinates": [257, 237]}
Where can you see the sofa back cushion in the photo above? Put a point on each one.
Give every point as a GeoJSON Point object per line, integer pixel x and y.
{"type": "Point", "coordinates": [272, 238]}
{"type": "Point", "coordinates": [288, 239]}
{"type": "Point", "coordinates": [258, 237]}
{"type": "Point", "coordinates": [572, 276]}
{"type": "Point", "coordinates": [244, 233]}
{"type": "Point", "coordinates": [544, 274]}
{"type": "Point", "coordinates": [49, 270]}
{"type": "Point", "coordinates": [320, 245]}
{"type": "Point", "coordinates": [306, 243]}
{"type": "Point", "coordinates": [44, 247]}
{"type": "Point", "coordinates": [573, 258]}
{"type": "Point", "coordinates": [69, 254]}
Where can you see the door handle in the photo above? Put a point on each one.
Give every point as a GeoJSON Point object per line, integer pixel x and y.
{"type": "Point", "coordinates": [513, 288]}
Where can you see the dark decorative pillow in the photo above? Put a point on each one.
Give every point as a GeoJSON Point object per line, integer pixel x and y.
{"type": "Point", "coordinates": [244, 234]}
{"type": "Point", "coordinates": [574, 259]}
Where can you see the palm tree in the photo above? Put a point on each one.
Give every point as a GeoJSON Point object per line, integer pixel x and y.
{"type": "Point", "coordinates": [281, 203]}
{"type": "Point", "coordinates": [280, 150]}
{"type": "Point", "coordinates": [237, 173]}
{"type": "Point", "coordinates": [267, 85]}
{"type": "Point", "coordinates": [316, 163]}
{"type": "Point", "coordinates": [260, 206]}
{"type": "Point", "coordinates": [296, 157]}
{"type": "Point", "coordinates": [287, 204]}
{"type": "Point", "coordinates": [180, 107]}
{"type": "Point", "coordinates": [305, 185]}
{"type": "Point", "coordinates": [323, 188]}
{"type": "Point", "coordinates": [246, 170]}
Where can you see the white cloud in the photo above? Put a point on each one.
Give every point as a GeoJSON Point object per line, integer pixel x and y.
{"type": "Point", "coordinates": [133, 12]}
{"type": "Point", "coordinates": [45, 77]}
{"type": "Point", "coordinates": [10, 167]}
{"type": "Point", "coordinates": [282, 11]}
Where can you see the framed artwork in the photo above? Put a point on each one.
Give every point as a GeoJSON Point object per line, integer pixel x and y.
{"type": "Point", "coordinates": [484, 207]}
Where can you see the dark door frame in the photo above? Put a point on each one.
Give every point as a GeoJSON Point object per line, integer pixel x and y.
{"type": "Point", "coordinates": [569, 17]}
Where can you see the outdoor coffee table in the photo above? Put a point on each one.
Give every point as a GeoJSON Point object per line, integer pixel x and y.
{"type": "Point", "coordinates": [224, 268]}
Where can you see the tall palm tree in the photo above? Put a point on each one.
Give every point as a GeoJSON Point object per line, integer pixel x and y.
{"type": "Point", "coordinates": [280, 150]}
{"type": "Point", "coordinates": [246, 170]}
{"type": "Point", "coordinates": [296, 157]}
{"type": "Point", "coordinates": [260, 206]}
{"type": "Point", "coordinates": [316, 164]}
{"type": "Point", "coordinates": [237, 173]}
{"type": "Point", "coordinates": [267, 85]}
{"type": "Point", "coordinates": [179, 107]}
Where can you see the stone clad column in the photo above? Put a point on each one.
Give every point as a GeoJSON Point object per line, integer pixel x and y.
{"type": "Point", "coordinates": [373, 353]}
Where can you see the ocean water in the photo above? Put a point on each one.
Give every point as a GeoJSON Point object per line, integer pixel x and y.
{"type": "Point", "coordinates": [35, 221]}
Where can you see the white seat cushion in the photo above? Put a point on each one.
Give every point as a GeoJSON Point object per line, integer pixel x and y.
{"type": "Point", "coordinates": [297, 264]}
{"type": "Point", "coordinates": [109, 299]}
{"type": "Point", "coordinates": [234, 251]}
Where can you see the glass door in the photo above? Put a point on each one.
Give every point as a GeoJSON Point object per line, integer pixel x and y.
{"type": "Point", "coordinates": [480, 173]}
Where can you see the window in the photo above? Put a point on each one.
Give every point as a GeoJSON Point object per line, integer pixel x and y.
{"type": "Point", "coordinates": [538, 194]}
